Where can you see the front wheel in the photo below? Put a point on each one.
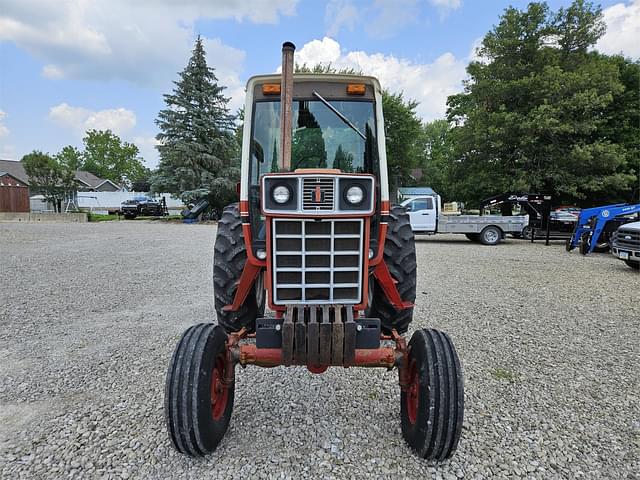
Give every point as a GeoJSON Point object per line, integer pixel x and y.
{"type": "Point", "coordinates": [197, 401]}
{"type": "Point", "coordinates": [432, 407]}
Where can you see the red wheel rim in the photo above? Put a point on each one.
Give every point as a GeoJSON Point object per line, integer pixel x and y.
{"type": "Point", "coordinates": [413, 393]}
{"type": "Point", "coordinates": [219, 392]}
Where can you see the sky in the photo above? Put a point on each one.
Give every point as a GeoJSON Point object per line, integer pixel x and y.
{"type": "Point", "coordinates": [67, 66]}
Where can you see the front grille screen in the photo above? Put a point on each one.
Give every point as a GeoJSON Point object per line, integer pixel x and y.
{"type": "Point", "coordinates": [317, 193]}
{"type": "Point", "coordinates": [627, 238]}
{"type": "Point", "coordinates": [317, 261]}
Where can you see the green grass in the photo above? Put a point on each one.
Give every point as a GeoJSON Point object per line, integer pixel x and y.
{"type": "Point", "coordinates": [97, 217]}
{"type": "Point", "coordinates": [504, 375]}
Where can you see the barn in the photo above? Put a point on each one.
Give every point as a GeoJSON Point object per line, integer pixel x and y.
{"type": "Point", "coordinates": [14, 194]}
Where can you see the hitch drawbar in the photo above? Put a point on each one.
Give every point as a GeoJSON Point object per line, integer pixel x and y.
{"type": "Point", "coordinates": [318, 337]}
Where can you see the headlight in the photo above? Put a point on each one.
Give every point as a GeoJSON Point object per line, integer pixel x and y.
{"type": "Point", "coordinates": [354, 195]}
{"type": "Point", "coordinates": [281, 194]}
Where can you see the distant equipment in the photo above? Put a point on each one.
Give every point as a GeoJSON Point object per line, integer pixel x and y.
{"type": "Point", "coordinates": [596, 225]}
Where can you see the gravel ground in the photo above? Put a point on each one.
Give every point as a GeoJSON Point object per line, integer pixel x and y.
{"type": "Point", "coordinates": [90, 314]}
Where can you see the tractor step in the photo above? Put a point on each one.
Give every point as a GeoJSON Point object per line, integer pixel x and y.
{"type": "Point", "coordinates": [318, 335]}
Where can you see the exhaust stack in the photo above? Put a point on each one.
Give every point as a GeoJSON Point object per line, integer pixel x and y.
{"type": "Point", "coordinates": [286, 99]}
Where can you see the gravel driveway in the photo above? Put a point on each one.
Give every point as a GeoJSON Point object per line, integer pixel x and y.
{"type": "Point", "coordinates": [90, 313]}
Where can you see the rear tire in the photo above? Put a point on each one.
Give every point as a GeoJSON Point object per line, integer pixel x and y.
{"type": "Point", "coordinates": [490, 236]}
{"type": "Point", "coordinates": [229, 259]}
{"type": "Point", "coordinates": [400, 257]}
{"type": "Point", "coordinates": [197, 404]}
{"type": "Point", "coordinates": [634, 265]}
{"type": "Point", "coordinates": [432, 409]}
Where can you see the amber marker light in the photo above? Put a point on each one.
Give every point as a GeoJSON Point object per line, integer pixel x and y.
{"type": "Point", "coordinates": [356, 89]}
{"type": "Point", "coordinates": [271, 89]}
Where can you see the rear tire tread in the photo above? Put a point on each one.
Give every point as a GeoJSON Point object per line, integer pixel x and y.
{"type": "Point", "coordinates": [400, 258]}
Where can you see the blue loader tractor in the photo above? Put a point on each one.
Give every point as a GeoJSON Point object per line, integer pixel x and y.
{"type": "Point", "coordinates": [595, 226]}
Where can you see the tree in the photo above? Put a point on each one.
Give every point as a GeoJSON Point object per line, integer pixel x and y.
{"type": "Point", "coordinates": [49, 177]}
{"type": "Point", "coordinates": [438, 157]}
{"type": "Point", "coordinates": [198, 152]}
{"type": "Point", "coordinates": [107, 156]}
{"type": "Point", "coordinates": [403, 130]}
{"type": "Point", "coordinates": [535, 113]}
{"type": "Point", "coordinates": [307, 144]}
{"type": "Point", "coordinates": [70, 158]}
{"type": "Point", "coordinates": [343, 160]}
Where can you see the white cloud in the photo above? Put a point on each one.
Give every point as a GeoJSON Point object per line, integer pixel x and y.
{"type": "Point", "coordinates": [4, 131]}
{"type": "Point", "coordinates": [340, 14]}
{"type": "Point", "coordinates": [446, 4]}
{"type": "Point", "coordinates": [428, 83]}
{"type": "Point", "coordinates": [118, 120]}
{"type": "Point", "coordinates": [392, 16]}
{"type": "Point", "coordinates": [623, 30]}
{"type": "Point", "coordinates": [145, 42]}
{"type": "Point", "coordinates": [147, 146]}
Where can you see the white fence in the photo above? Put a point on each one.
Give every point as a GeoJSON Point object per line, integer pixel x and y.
{"type": "Point", "coordinates": [105, 201]}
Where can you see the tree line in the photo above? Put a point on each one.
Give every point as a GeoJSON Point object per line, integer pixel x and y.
{"type": "Point", "coordinates": [541, 111]}
{"type": "Point", "coordinates": [103, 154]}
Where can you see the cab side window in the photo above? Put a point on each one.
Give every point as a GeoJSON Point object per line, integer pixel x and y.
{"type": "Point", "coordinates": [420, 204]}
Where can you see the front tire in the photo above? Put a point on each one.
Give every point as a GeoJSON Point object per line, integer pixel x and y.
{"type": "Point", "coordinates": [197, 403]}
{"type": "Point", "coordinates": [400, 257]}
{"type": "Point", "coordinates": [229, 259]}
{"type": "Point", "coordinates": [432, 408]}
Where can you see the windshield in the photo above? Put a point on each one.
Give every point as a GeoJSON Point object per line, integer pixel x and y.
{"type": "Point", "coordinates": [320, 137]}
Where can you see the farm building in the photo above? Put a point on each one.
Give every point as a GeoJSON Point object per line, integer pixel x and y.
{"type": "Point", "coordinates": [14, 194]}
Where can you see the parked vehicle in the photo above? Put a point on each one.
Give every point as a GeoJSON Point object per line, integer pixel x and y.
{"type": "Point", "coordinates": [425, 214]}
{"type": "Point", "coordinates": [314, 237]}
{"type": "Point", "coordinates": [625, 244]}
{"type": "Point", "coordinates": [596, 225]}
{"type": "Point", "coordinates": [560, 223]}
{"type": "Point", "coordinates": [142, 206]}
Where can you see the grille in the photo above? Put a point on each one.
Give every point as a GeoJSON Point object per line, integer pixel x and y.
{"type": "Point", "coordinates": [317, 193]}
{"type": "Point", "coordinates": [632, 242]}
{"type": "Point", "coordinates": [317, 261]}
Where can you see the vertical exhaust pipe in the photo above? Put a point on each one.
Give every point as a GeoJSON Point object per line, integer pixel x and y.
{"type": "Point", "coordinates": [286, 99]}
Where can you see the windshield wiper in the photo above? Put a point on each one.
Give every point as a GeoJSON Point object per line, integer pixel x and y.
{"type": "Point", "coordinates": [340, 115]}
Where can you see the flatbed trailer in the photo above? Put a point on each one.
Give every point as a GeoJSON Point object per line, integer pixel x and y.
{"type": "Point", "coordinates": [426, 217]}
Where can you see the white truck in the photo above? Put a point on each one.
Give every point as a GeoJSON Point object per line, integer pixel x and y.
{"type": "Point", "coordinates": [626, 244]}
{"type": "Point", "coordinates": [425, 214]}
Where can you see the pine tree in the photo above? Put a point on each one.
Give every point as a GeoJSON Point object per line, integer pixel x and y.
{"type": "Point", "coordinates": [343, 160]}
{"type": "Point", "coordinates": [198, 151]}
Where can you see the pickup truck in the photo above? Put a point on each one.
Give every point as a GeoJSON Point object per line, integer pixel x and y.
{"type": "Point", "coordinates": [426, 217]}
{"type": "Point", "coordinates": [141, 206]}
{"type": "Point", "coordinates": [626, 244]}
